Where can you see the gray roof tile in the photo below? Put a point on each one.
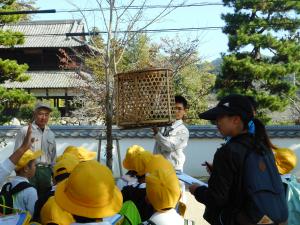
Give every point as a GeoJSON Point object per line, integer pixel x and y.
{"type": "Point", "coordinates": [48, 33]}
{"type": "Point", "coordinates": [48, 79]}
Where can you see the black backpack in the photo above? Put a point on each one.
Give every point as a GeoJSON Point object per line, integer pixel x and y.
{"type": "Point", "coordinates": [264, 187]}
{"type": "Point", "coordinates": [7, 196]}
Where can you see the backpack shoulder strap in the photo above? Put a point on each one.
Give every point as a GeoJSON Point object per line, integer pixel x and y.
{"type": "Point", "coordinates": [150, 222]}
{"type": "Point", "coordinates": [20, 187]}
{"type": "Point", "coordinates": [6, 187]}
{"type": "Point", "coordinates": [6, 200]}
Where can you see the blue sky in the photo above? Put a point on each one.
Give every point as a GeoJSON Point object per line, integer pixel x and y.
{"type": "Point", "coordinates": [213, 42]}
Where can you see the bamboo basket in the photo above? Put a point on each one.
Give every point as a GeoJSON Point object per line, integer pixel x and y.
{"type": "Point", "coordinates": [145, 98]}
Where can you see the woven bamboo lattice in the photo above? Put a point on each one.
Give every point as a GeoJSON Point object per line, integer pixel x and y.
{"type": "Point", "coordinates": [145, 98]}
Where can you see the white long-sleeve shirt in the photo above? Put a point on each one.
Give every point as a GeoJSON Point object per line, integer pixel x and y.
{"type": "Point", "coordinates": [6, 168]}
{"type": "Point", "coordinates": [170, 217]}
{"type": "Point", "coordinates": [172, 145]}
{"type": "Point", "coordinates": [25, 199]}
{"type": "Point", "coordinates": [43, 140]}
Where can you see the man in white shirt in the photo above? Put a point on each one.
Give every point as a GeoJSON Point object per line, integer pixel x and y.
{"type": "Point", "coordinates": [44, 140]}
{"type": "Point", "coordinates": [171, 141]}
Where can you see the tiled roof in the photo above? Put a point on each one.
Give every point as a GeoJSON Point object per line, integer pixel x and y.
{"type": "Point", "coordinates": [48, 33]}
{"type": "Point", "coordinates": [48, 79]}
{"type": "Point", "coordinates": [203, 132]}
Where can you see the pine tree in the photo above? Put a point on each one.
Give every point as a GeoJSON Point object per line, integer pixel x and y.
{"type": "Point", "coordinates": [11, 100]}
{"type": "Point", "coordinates": [264, 52]}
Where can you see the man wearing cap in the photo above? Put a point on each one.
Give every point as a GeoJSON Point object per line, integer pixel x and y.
{"type": "Point", "coordinates": [44, 140]}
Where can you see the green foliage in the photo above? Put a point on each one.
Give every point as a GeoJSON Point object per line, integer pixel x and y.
{"type": "Point", "coordinates": [13, 102]}
{"type": "Point", "coordinates": [25, 113]}
{"type": "Point", "coordinates": [195, 83]}
{"type": "Point", "coordinates": [264, 52]}
{"type": "Point", "coordinates": [55, 116]}
{"type": "Point", "coordinates": [11, 70]}
{"type": "Point", "coordinates": [139, 54]}
{"type": "Point", "coordinates": [13, 5]}
{"type": "Point", "coordinates": [95, 63]}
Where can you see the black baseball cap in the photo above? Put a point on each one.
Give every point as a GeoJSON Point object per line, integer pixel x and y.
{"type": "Point", "coordinates": [230, 105]}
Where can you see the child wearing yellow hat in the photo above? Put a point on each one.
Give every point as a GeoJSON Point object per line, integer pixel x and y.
{"type": "Point", "coordinates": [81, 153]}
{"type": "Point", "coordinates": [46, 209]}
{"type": "Point", "coordinates": [130, 177]}
{"type": "Point", "coordinates": [163, 192]}
{"type": "Point", "coordinates": [137, 159]}
{"type": "Point", "coordinates": [25, 169]}
{"type": "Point", "coordinates": [89, 194]}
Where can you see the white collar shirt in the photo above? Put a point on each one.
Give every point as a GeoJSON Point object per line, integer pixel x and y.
{"type": "Point", "coordinates": [43, 140]}
{"type": "Point", "coordinates": [172, 143]}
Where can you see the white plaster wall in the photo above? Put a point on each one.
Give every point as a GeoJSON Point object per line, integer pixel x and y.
{"type": "Point", "coordinates": [198, 150]}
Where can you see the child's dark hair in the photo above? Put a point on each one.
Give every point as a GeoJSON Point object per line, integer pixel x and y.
{"type": "Point", "coordinates": [82, 219]}
{"type": "Point", "coordinates": [182, 100]}
{"type": "Point", "coordinates": [253, 102]}
{"type": "Point", "coordinates": [131, 173]}
{"type": "Point", "coordinates": [261, 136]}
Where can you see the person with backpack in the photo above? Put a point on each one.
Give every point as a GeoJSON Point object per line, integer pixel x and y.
{"type": "Point", "coordinates": [46, 209]}
{"type": "Point", "coordinates": [137, 160]}
{"type": "Point", "coordinates": [18, 193]}
{"type": "Point", "coordinates": [244, 186]}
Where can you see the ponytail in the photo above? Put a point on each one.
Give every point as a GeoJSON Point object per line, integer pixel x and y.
{"type": "Point", "coordinates": [261, 136]}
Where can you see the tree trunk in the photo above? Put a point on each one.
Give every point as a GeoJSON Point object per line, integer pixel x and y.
{"type": "Point", "coordinates": [109, 138]}
{"type": "Point", "coordinates": [108, 96]}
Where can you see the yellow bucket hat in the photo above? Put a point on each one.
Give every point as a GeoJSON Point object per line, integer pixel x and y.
{"type": "Point", "coordinates": [81, 153]}
{"type": "Point", "coordinates": [163, 189]}
{"type": "Point", "coordinates": [285, 159]}
{"type": "Point", "coordinates": [65, 164]}
{"type": "Point", "coordinates": [140, 161]}
{"type": "Point", "coordinates": [158, 162]}
{"type": "Point", "coordinates": [130, 154]}
{"type": "Point", "coordinates": [90, 191]}
{"type": "Point", "coordinates": [27, 157]}
{"type": "Point", "coordinates": [52, 213]}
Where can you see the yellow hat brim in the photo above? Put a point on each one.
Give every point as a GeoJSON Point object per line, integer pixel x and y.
{"type": "Point", "coordinates": [90, 156]}
{"type": "Point", "coordinates": [85, 211]}
{"type": "Point", "coordinates": [35, 155]}
{"type": "Point", "coordinates": [52, 213]}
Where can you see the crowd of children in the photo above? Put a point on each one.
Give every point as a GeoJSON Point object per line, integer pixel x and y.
{"type": "Point", "coordinates": [244, 187]}
{"type": "Point", "coordinates": [84, 191]}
